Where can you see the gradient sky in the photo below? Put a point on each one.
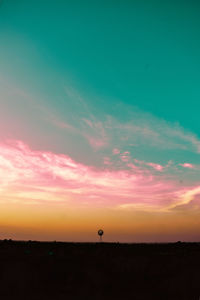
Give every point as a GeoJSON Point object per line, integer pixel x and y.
{"type": "Point", "coordinates": [99, 120]}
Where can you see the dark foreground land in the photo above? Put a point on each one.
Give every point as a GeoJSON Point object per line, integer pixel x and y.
{"type": "Point", "coordinates": [37, 270]}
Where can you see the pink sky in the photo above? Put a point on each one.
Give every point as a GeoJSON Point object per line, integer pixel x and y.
{"type": "Point", "coordinates": [37, 186]}
{"type": "Point", "coordinates": [46, 176]}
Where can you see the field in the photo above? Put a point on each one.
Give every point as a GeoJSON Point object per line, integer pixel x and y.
{"type": "Point", "coordinates": [54, 270]}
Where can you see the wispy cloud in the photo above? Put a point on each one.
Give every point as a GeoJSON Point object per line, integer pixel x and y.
{"type": "Point", "coordinates": [152, 131]}
{"type": "Point", "coordinates": [142, 130]}
{"type": "Point", "coordinates": [95, 133]}
{"type": "Point", "coordinates": [45, 176]}
{"type": "Point", "coordinates": [187, 165]}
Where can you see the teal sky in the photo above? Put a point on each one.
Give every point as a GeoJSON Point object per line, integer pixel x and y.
{"type": "Point", "coordinates": [114, 85]}
{"type": "Point", "coordinates": [142, 54]}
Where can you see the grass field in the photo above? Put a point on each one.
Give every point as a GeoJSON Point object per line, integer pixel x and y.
{"type": "Point", "coordinates": [54, 270]}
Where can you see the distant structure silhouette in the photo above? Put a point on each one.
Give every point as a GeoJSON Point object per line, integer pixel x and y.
{"type": "Point", "coordinates": [100, 233]}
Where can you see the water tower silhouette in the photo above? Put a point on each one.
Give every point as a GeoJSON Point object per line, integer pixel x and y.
{"type": "Point", "coordinates": [100, 233]}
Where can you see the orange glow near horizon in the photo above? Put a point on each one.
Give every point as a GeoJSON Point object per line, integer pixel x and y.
{"type": "Point", "coordinates": [65, 224]}
{"type": "Point", "coordinates": [47, 196]}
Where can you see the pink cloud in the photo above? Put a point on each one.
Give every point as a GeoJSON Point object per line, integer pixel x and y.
{"type": "Point", "coordinates": [41, 176]}
{"type": "Point", "coordinates": [126, 153]}
{"type": "Point", "coordinates": [96, 143]}
{"type": "Point", "coordinates": [106, 161]}
{"type": "Point", "coordinates": [116, 151]}
{"type": "Point", "coordinates": [88, 122]}
{"type": "Point", "coordinates": [125, 156]}
{"type": "Point", "coordinates": [155, 166]}
{"type": "Point", "coordinates": [64, 125]}
{"type": "Point", "coordinates": [187, 165]}
{"type": "Point", "coordinates": [132, 166]}
{"type": "Point", "coordinates": [95, 134]}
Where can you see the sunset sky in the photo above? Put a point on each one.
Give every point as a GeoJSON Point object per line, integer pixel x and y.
{"type": "Point", "coordinates": [100, 120]}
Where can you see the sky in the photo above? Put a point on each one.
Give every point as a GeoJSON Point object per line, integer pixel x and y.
{"type": "Point", "coordinates": [99, 120]}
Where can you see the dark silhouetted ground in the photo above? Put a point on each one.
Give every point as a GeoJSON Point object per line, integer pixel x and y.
{"type": "Point", "coordinates": [37, 270]}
